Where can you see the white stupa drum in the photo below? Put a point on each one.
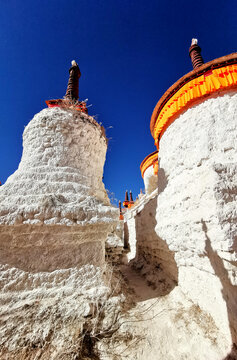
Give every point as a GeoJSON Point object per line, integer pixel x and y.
{"type": "Point", "coordinates": [194, 127]}
{"type": "Point", "coordinates": [54, 208]}
{"type": "Point", "coordinates": [149, 169]}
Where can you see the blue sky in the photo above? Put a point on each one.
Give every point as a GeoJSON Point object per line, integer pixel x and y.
{"type": "Point", "coordinates": [129, 53]}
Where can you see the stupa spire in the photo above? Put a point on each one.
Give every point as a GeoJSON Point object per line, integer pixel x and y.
{"type": "Point", "coordinates": [71, 99]}
{"type": "Point", "coordinates": [126, 195]}
{"type": "Point", "coordinates": [72, 92]}
{"type": "Point", "coordinates": [120, 207]}
{"type": "Point", "coordinates": [195, 54]}
{"type": "Point", "coordinates": [120, 211]}
{"type": "Point", "coordinates": [126, 201]}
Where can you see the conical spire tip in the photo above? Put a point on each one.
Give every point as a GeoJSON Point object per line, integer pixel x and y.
{"type": "Point", "coordinates": [194, 42]}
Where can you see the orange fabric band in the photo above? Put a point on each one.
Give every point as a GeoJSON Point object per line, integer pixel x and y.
{"type": "Point", "coordinates": [206, 84]}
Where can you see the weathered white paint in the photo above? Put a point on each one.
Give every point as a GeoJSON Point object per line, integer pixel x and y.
{"type": "Point", "coordinates": [54, 219]}
{"type": "Point", "coordinates": [59, 179]}
{"type": "Point", "coordinates": [57, 198]}
{"type": "Point", "coordinates": [196, 213]}
{"type": "Point", "coordinates": [150, 180]}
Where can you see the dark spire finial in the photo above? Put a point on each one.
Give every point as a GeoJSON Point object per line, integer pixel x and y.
{"type": "Point", "coordinates": [120, 211]}
{"type": "Point", "coordinates": [126, 195]}
{"type": "Point", "coordinates": [126, 201]}
{"type": "Point", "coordinates": [195, 54]}
{"type": "Point", "coordinates": [120, 207]}
{"type": "Point", "coordinates": [72, 92]}
{"type": "Point", "coordinates": [131, 199]}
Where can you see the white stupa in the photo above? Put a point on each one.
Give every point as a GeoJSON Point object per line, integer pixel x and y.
{"type": "Point", "coordinates": [56, 202]}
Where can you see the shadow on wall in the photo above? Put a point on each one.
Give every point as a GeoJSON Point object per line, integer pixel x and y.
{"type": "Point", "coordinates": [229, 292]}
{"type": "Point", "coordinates": [162, 180]}
{"type": "Point", "coordinates": [126, 236]}
{"type": "Point", "coordinates": [153, 259]}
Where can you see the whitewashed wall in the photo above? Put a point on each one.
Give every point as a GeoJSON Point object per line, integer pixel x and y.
{"type": "Point", "coordinates": [196, 213]}
{"type": "Point", "coordinates": [150, 180]}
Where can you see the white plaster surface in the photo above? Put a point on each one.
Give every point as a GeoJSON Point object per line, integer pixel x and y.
{"type": "Point", "coordinates": [59, 179]}
{"type": "Point", "coordinates": [137, 214]}
{"type": "Point", "coordinates": [44, 313]}
{"type": "Point", "coordinates": [130, 237]}
{"type": "Point", "coordinates": [54, 219]}
{"type": "Point", "coordinates": [150, 180]}
{"type": "Point", "coordinates": [147, 252]}
{"type": "Point", "coordinates": [50, 247]}
{"type": "Point", "coordinates": [114, 244]}
{"type": "Point", "coordinates": [183, 242]}
{"type": "Point", "coordinates": [187, 235]}
{"type": "Point", "coordinates": [54, 210]}
{"type": "Point", "coordinates": [196, 213]}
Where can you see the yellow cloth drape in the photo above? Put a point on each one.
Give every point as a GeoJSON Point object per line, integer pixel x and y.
{"type": "Point", "coordinates": [197, 88]}
{"type": "Point", "coordinates": [152, 160]}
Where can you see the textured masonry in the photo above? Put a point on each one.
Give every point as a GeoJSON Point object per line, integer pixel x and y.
{"type": "Point", "coordinates": [58, 191]}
